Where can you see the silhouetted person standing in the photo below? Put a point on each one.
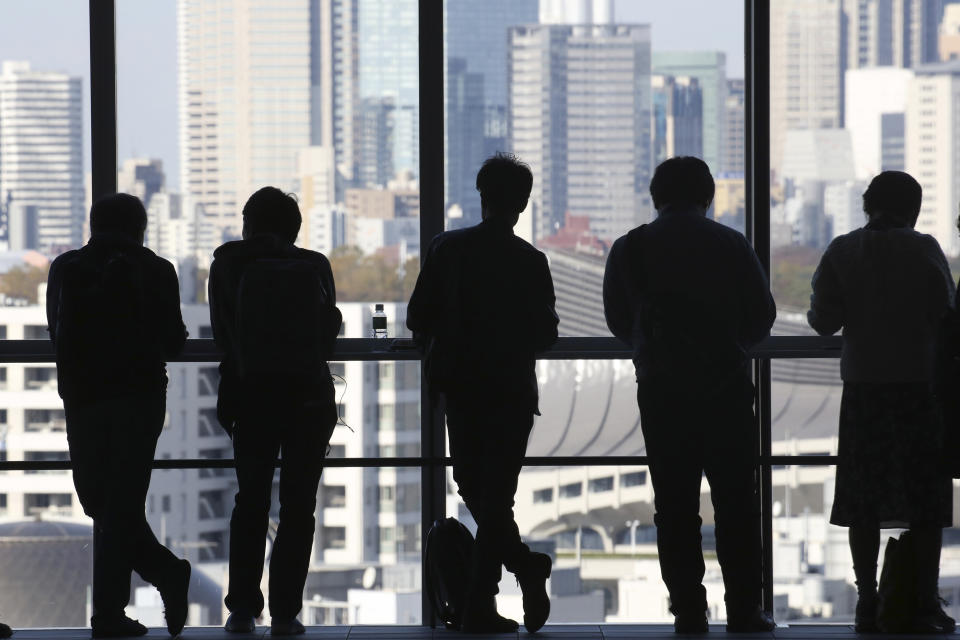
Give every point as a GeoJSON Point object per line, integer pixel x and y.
{"type": "Point", "coordinates": [482, 308]}
{"type": "Point", "coordinates": [888, 287]}
{"type": "Point", "coordinates": [690, 296]}
{"type": "Point", "coordinates": [113, 310]}
{"type": "Point", "coordinates": [273, 311]}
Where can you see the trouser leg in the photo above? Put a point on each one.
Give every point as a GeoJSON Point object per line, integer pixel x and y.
{"type": "Point", "coordinates": [303, 448]}
{"type": "Point", "coordinates": [865, 549]}
{"type": "Point", "coordinates": [255, 452]}
{"type": "Point", "coordinates": [487, 456]}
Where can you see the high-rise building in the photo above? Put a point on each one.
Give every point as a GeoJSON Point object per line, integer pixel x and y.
{"type": "Point", "coordinates": [949, 39]}
{"type": "Point", "coordinates": [245, 86]}
{"type": "Point", "coordinates": [733, 158]}
{"type": "Point", "coordinates": [389, 80]}
{"type": "Point", "coordinates": [475, 91]}
{"type": "Point", "coordinates": [900, 33]}
{"type": "Point", "coordinates": [876, 100]}
{"type": "Point", "coordinates": [677, 117]}
{"type": "Point", "coordinates": [933, 148]}
{"type": "Point", "coordinates": [41, 154]}
{"type": "Point", "coordinates": [709, 68]}
{"type": "Point", "coordinates": [806, 83]}
{"type": "Point", "coordinates": [579, 115]}
{"type": "Point", "coordinates": [576, 12]}
{"type": "Point", "coordinates": [141, 177]}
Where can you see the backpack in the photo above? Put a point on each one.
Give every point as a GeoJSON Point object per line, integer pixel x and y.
{"type": "Point", "coordinates": [286, 322]}
{"type": "Point", "coordinates": [897, 589]}
{"type": "Point", "coordinates": [101, 318]}
{"type": "Point", "coordinates": [447, 562]}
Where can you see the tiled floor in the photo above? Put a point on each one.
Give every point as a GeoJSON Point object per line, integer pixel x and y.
{"type": "Point", "coordinates": [551, 632]}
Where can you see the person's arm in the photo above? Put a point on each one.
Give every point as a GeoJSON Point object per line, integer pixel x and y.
{"type": "Point", "coordinates": [544, 309]}
{"type": "Point", "coordinates": [174, 331]}
{"type": "Point", "coordinates": [944, 290]}
{"type": "Point", "coordinates": [54, 280]}
{"type": "Point", "coordinates": [335, 316]}
{"type": "Point", "coordinates": [616, 297]}
{"type": "Point", "coordinates": [826, 302]}
{"type": "Point", "coordinates": [758, 309]}
{"type": "Point", "coordinates": [221, 334]}
{"type": "Point", "coordinates": [422, 308]}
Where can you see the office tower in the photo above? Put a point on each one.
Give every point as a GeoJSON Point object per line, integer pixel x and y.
{"type": "Point", "coordinates": [949, 39]}
{"type": "Point", "coordinates": [933, 148]}
{"type": "Point", "coordinates": [805, 70]}
{"type": "Point", "coordinates": [334, 84]}
{"type": "Point", "coordinates": [900, 33]}
{"type": "Point", "coordinates": [733, 158]}
{"type": "Point", "coordinates": [41, 147]}
{"type": "Point", "coordinates": [141, 177]}
{"type": "Point", "coordinates": [389, 73]}
{"type": "Point", "coordinates": [843, 205]}
{"type": "Point", "coordinates": [579, 114]}
{"type": "Point", "coordinates": [710, 70]}
{"type": "Point", "coordinates": [874, 115]}
{"type": "Point", "coordinates": [677, 117]}
{"type": "Point", "coordinates": [245, 101]}
{"type": "Point", "coordinates": [576, 12]}
{"type": "Point", "coordinates": [475, 91]}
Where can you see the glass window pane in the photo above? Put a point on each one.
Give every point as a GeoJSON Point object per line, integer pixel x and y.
{"type": "Point", "coordinates": [592, 109]}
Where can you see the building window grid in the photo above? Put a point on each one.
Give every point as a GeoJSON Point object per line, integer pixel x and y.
{"type": "Point", "coordinates": [755, 149]}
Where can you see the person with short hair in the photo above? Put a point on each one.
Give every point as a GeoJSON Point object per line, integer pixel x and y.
{"type": "Point", "coordinates": [691, 298]}
{"type": "Point", "coordinates": [483, 307]}
{"type": "Point", "coordinates": [274, 316]}
{"type": "Point", "coordinates": [5, 631]}
{"type": "Point", "coordinates": [113, 311]}
{"type": "Point", "coordinates": [888, 287]}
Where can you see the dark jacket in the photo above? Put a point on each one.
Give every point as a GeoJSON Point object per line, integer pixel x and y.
{"type": "Point", "coordinates": [482, 308]}
{"type": "Point", "coordinates": [227, 268]}
{"type": "Point", "coordinates": [100, 379]}
{"type": "Point", "coordinates": [702, 280]}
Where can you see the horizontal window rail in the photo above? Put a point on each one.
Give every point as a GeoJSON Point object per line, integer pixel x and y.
{"type": "Point", "coordinates": [531, 461]}
{"type": "Point", "coordinates": [380, 349]}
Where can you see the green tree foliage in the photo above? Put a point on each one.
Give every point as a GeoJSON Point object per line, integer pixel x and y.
{"type": "Point", "coordinates": [22, 282]}
{"type": "Point", "coordinates": [793, 269]}
{"type": "Point", "coordinates": [371, 278]}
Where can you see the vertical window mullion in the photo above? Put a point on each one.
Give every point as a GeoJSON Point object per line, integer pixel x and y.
{"type": "Point", "coordinates": [103, 98]}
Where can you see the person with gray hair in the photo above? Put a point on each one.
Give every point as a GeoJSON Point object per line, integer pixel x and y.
{"type": "Point", "coordinates": [888, 287]}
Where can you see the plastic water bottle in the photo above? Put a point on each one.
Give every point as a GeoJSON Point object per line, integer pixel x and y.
{"type": "Point", "coordinates": [379, 322]}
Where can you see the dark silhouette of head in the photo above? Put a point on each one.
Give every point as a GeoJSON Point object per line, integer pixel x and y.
{"type": "Point", "coordinates": [119, 213]}
{"type": "Point", "coordinates": [684, 181]}
{"type": "Point", "coordinates": [504, 183]}
{"type": "Point", "coordinates": [893, 199]}
{"type": "Point", "coordinates": [272, 211]}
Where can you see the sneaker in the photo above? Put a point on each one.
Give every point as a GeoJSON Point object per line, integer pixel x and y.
{"type": "Point", "coordinates": [281, 627]}
{"type": "Point", "coordinates": [755, 621]}
{"type": "Point", "coordinates": [533, 583]}
{"type": "Point", "coordinates": [866, 616]}
{"type": "Point", "coordinates": [239, 622]}
{"type": "Point", "coordinates": [174, 596]}
{"type": "Point", "coordinates": [121, 627]}
{"type": "Point", "coordinates": [697, 623]}
{"type": "Point", "coordinates": [5, 631]}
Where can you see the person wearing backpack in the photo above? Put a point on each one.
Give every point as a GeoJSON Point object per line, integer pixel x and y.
{"type": "Point", "coordinates": [274, 316]}
{"type": "Point", "coordinates": [691, 298]}
{"type": "Point", "coordinates": [113, 312]}
{"type": "Point", "coordinates": [889, 288]}
{"type": "Point", "coordinates": [483, 306]}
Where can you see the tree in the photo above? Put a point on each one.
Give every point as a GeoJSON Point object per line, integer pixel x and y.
{"type": "Point", "coordinates": [370, 278]}
{"type": "Point", "coordinates": [23, 282]}
{"type": "Point", "coordinates": [793, 269]}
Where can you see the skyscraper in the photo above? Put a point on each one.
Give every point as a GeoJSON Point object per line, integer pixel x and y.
{"type": "Point", "coordinates": [141, 177]}
{"type": "Point", "coordinates": [733, 159]}
{"type": "Point", "coordinates": [677, 117]}
{"type": "Point", "coordinates": [899, 33]}
{"type": "Point", "coordinates": [709, 68]}
{"type": "Point", "coordinates": [475, 91]}
{"type": "Point", "coordinates": [245, 87]}
{"type": "Point", "coordinates": [805, 70]}
{"type": "Point", "coordinates": [41, 163]}
{"type": "Point", "coordinates": [579, 114]}
{"type": "Point", "coordinates": [876, 100]}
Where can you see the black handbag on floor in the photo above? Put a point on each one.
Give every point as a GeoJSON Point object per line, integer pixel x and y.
{"type": "Point", "coordinates": [447, 558]}
{"type": "Point", "coordinates": [897, 590]}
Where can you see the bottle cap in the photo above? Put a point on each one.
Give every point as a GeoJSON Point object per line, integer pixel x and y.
{"type": "Point", "coordinates": [379, 306]}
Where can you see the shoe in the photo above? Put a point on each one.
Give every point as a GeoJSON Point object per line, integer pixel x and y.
{"type": "Point", "coordinates": [122, 627]}
{"type": "Point", "coordinates": [480, 616]}
{"type": "Point", "coordinates": [533, 583]}
{"type": "Point", "coordinates": [5, 631]}
{"type": "Point", "coordinates": [280, 627]}
{"type": "Point", "coordinates": [239, 622]}
{"type": "Point", "coordinates": [933, 619]}
{"type": "Point", "coordinates": [866, 616]}
{"type": "Point", "coordinates": [697, 623]}
{"type": "Point", "coordinates": [174, 596]}
{"type": "Point", "coordinates": [755, 621]}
